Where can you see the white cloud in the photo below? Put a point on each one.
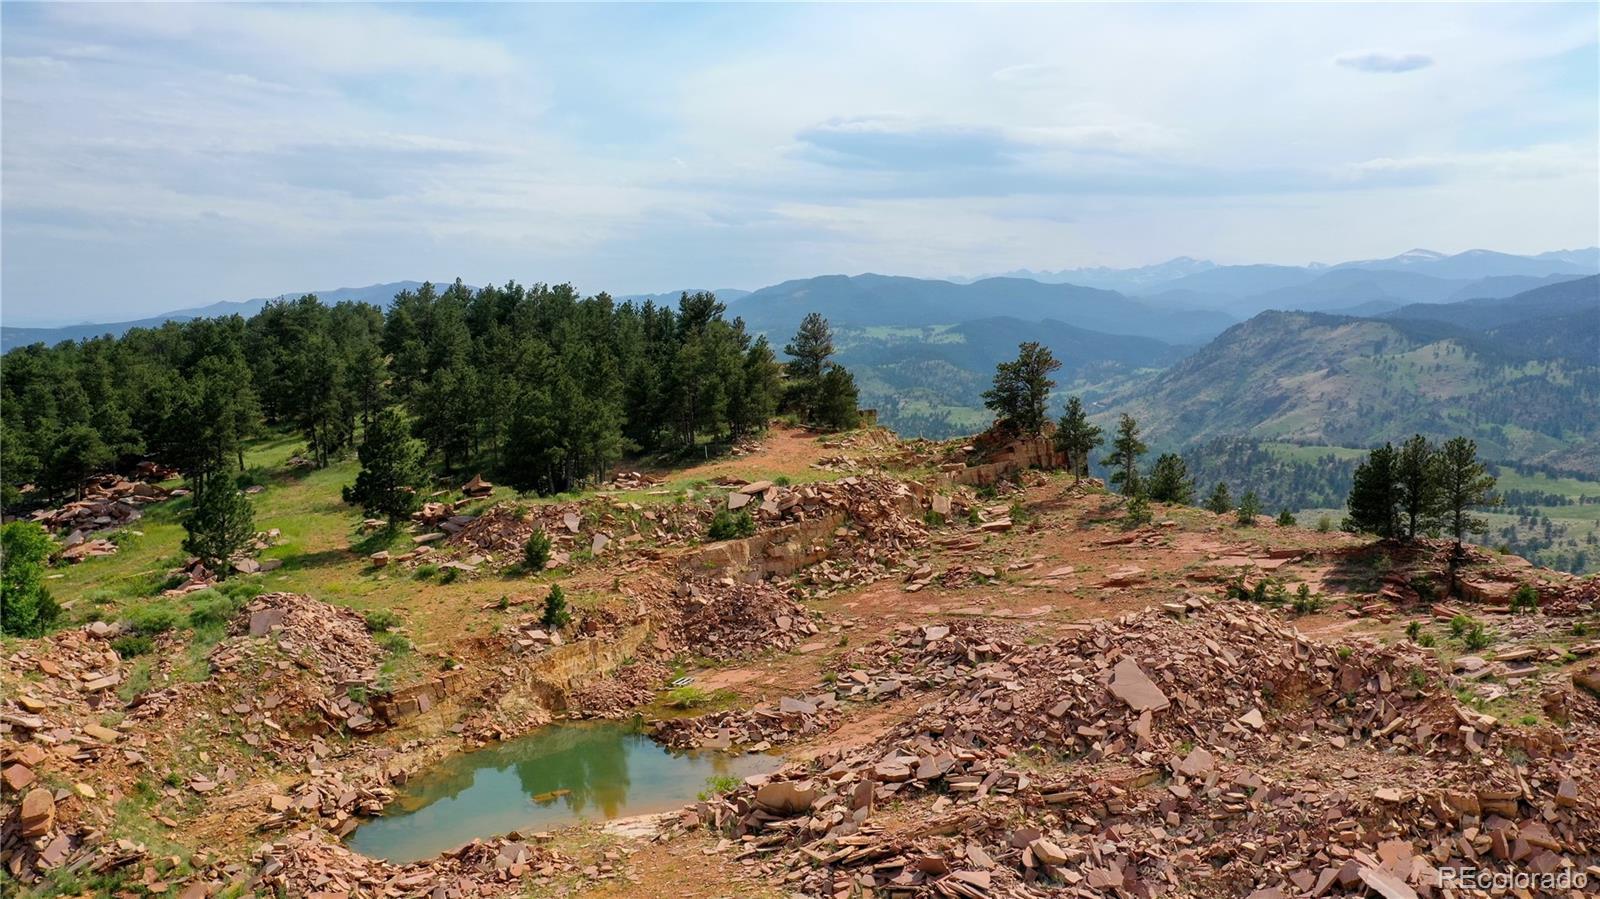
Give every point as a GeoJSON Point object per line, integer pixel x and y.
{"type": "Point", "coordinates": [1382, 62]}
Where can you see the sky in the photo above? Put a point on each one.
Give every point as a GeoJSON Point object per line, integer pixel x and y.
{"type": "Point", "coordinates": [161, 156]}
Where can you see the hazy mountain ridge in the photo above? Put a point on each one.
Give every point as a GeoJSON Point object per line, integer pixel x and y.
{"type": "Point", "coordinates": [1518, 388]}
{"type": "Point", "coordinates": [381, 294]}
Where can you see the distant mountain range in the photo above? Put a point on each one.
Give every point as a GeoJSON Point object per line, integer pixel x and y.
{"type": "Point", "coordinates": [1520, 374]}
{"type": "Point", "coordinates": [1182, 300]}
{"type": "Point", "coordinates": [381, 294]}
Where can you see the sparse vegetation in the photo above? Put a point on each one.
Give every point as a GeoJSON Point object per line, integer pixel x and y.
{"type": "Point", "coordinates": [556, 614]}
{"type": "Point", "coordinates": [726, 525]}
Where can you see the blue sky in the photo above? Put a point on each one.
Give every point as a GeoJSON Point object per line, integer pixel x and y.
{"type": "Point", "coordinates": [160, 156]}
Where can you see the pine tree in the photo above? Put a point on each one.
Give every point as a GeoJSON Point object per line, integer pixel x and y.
{"type": "Point", "coordinates": [1286, 518]}
{"type": "Point", "coordinates": [1418, 479]}
{"type": "Point", "coordinates": [1022, 389]}
{"type": "Point", "coordinates": [810, 349]}
{"type": "Point", "coordinates": [837, 399]}
{"type": "Point", "coordinates": [1249, 508]}
{"type": "Point", "coordinates": [1076, 438]}
{"type": "Point", "coordinates": [392, 469]}
{"type": "Point", "coordinates": [219, 524]}
{"type": "Point", "coordinates": [1220, 501]}
{"type": "Point", "coordinates": [1124, 459]}
{"type": "Point", "coordinates": [556, 614]}
{"type": "Point", "coordinates": [1375, 495]}
{"type": "Point", "coordinates": [1463, 484]}
{"type": "Point", "coordinates": [1170, 481]}
{"type": "Point", "coordinates": [26, 607]}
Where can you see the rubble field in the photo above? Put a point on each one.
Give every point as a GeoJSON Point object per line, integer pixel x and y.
{"type": "Point", "coordinates": [982, 683]}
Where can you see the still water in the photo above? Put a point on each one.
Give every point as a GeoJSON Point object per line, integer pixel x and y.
{"type": "Point", "coordinates": [558, 775]}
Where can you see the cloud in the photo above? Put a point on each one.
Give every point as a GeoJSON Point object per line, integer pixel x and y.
{"type": "Point", "coordinates": [893, 143]}
{"type": "Point", "coordinates": [1384, 63]}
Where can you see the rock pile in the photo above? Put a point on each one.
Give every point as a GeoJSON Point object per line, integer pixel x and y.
{"type": "Point", "coordinates": [109, 501]}
{"type": "Point", "coordinates": [1200, 768]}
{"type": "Point", "coordinates": [308, 863]}
{"type": "Point", "coordinates": [724, 618]}
{"type": "Point", "coordinates": [291, 667]}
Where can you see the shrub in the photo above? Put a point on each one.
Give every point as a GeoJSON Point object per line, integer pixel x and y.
{"type": "Point", "coordinates": [536, 552]}
{"type": "Point", "coordinates": [1459, 626]}
{"type": "Point", "coordinates": [153, 619]}
{"type": "Point", "coordinates": [1324, 525]}
{"type": "Point", "coordinates": [1304, 602]}
{"type": "Point", "coordinates": [1526, 599]}
{"type": "Point", "coordinates": [1249, 508]}
{"type": "Point", "coordinates": [26, 607]}
{"type": "Point", "coordinates": [933, 519]}
{"type": "Point", "coordinates": [556, 614]}
{"type": "Point", "coordinates": [687, 697]}
{"type": "Point", "coordinates": [1138, 512]}
{"type": "Point", "coordinates": [212, 610]}
{"type": "Point", "coordinates": [394, 643]}
{"type": "Point", "coordinates": [1413, 631]}
{"type": "Point", "coordinates": [726, 525]}
{"type": "Point", "coordinates": [1019, 512]}
{"type": "Point", "coordinates": [130, 645]}
{"type": "Point", "coordinates": [1426, 640]}
{"type": "Point", "coordinates": [425, 570]}
{"type": "Point", "coordinates": [449, 575]}
{"type": "Point", "coordinates": [1477, 637]}
{"type": "Point", "coordinates": [717, 784]}
{"type": "Point", "coordinates": [381, 620]}
{"type": "Point", "coordinates": [1285, 518]}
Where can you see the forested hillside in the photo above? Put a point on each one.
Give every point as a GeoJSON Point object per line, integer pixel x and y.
{"type": "Point", "coordinates": [1336, 380]}
{"type": "Point", "coordinates": [535, 384]}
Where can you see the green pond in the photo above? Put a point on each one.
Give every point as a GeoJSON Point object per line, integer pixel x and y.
{"type": "Point", "coordinates": [559, 775]}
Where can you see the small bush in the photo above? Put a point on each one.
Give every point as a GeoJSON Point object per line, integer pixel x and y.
{"type": "Point", "coordinates": [1413, 631]}
{"type": "Point", "coordinates": [1426, 640]}
{"type": "Point", "coordinates": [1286, 518]}
{"type": "Point", "coordinates": [687, 697]}
{"type": "Point", "coordinates": [1579, 629]}
{"type": "Point", "coordinates": [933, 519]}
{"type": "Point", "coordinates": [394, 643]}
{"type": "Point", "coordinates": [1020, 514]}
{"type": "Point", "coordinates": [449, 575]}
{"type": "Point", "coordinates": [425, 571]}
{"type": "Point", "coordinates": [1324, 525]}
{"type": "Point", "coordinates": [536, 552]}
{"type": "Point", "coordinates": [381, 620]}
{"type": "Point", "coordinates": [1138, 512]}
{"type": "Point", "coordinates": [1305, 603]}
{"type": "Point", "coordinates": [1249, 508]}
{"type": "Point", "coordinates": [1344, 652]}
{"type": "Point", "coordinates": [556, 614]}
{"type": "Point", "coordinates": [782, 480]}
{"type": "Point", "coordinates": [718, 784]}
{"type": "Point", "coordinates": [974, 517]}
{"type": "Point", "coordinates": [1526, 599]}
{"type": "Point", "coordinates": [1477, 637]}
{"type": "Point", "coordinates": [726, 525]}
{"type": "Point", "coordinates": [130, 645]}
{"type": "Point", "coordinates": [1459, 626]}
{"type": "Point", "coordinates": [208, 611]}
{"type": "Point", "coordinates": [151, 620]}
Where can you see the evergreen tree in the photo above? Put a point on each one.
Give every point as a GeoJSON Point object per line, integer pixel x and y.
{"type": "Point", "coordinates": [556, 614]}
{"type": "Point", "coordinates": [1375, 495]}
{"type": "Point", "coordinates": [1249, 508]}
{"type": "Point", "coordinates": [392, 469]}
{"type": "Point", "coordinates": [1220, 501]}
{"type": "Point", "coordinates": [1124, 459]}
{"type": "Point", "coordinates": [26, 607]}
{"type": "Point", "coordinates": [78, 453]}
{"type": "Point", "coordinates": [220, 523]}
{"type": "Point", "coordinates": [1022, 389]}
{"type": "Point", "coordinates": [837, 399]}
{"type": "Point", "coordinates": [1170, 481]}
{"type": "Point", "coordinates": [1286, 518]}
{"type": "Point", "coordinates": [1463, 483]}
{"type": "Point", "coordinates": [1076, 438]}
{"type": "Point", "coordinates": [810, 349]}
{"type": "Point", "coordinates": [1418, 479]}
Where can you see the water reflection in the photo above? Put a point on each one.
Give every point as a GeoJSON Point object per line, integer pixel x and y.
{"type": "Point", "coordinates": [559, 775]}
